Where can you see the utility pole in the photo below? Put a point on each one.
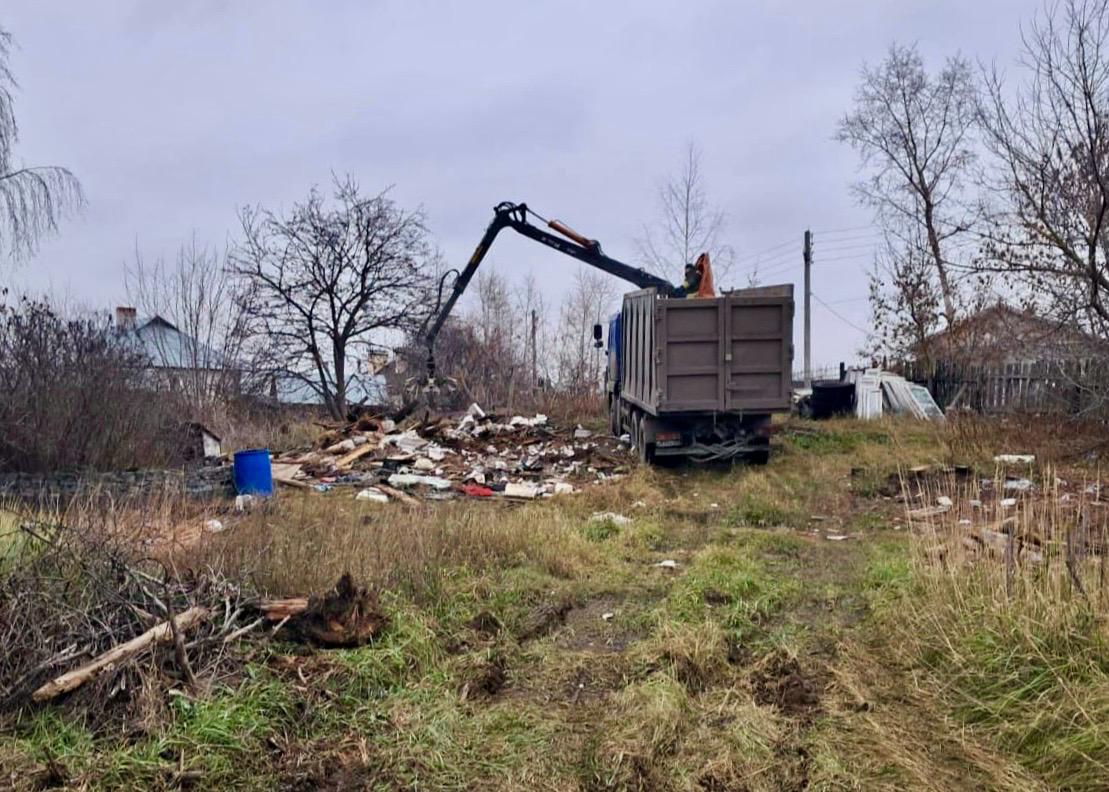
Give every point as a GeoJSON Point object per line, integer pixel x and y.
{"type": "Point", "coordinates": [808, 308]}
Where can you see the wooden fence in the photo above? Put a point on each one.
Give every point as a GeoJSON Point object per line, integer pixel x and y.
{"type": "Point", "coordinates": [1070, 387]}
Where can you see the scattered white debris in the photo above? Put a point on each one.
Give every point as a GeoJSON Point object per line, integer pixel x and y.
{"type": "Point", "coordinates": [341, 447]}
{"type": "Point", "coordinates": [975, 504]}
{"type": "Point", "coordinates": [626, 439]}
{"type": "Point", "coordinates": [408, 441]}
{"type": "Point", "coordinates": [423, 464]}
{"type": "Point", "coordinates": [639, 504]}
{"type": "Point", "coordinates": [1017, 485]}
{"type": "Point", "coordinates": [372, 494]}
{"type": "Point", "coordinates": [213, 526]}
{"type": "Point", "coordinates": [1015, 459]}
{"type": "Point", "coordinates": [610, 517]}
{"type": "Point", "coordinates": [475, 411]}
{"type": "Point", "coordinates": [836, 537]}
{"type": "Point", "coordinates": [243, 502]}
{"type": "Point", "coordinates": [581, 433]}
{"type": "Point", "coordinates": [607, 616]}
{"type": "Point", "coordinates": [1007, 503]}
{"type": "Point", "coordinates": [388, 425]}
{"type": "Point", "coordinates": [944, 501]}
{"type": "Point", "coordinates": [964, 521]}
{"type": "Point", "coordinates": [563, 488]}
{"type": "Point", "coordinates": [518, 420]}
{"type": "Point", "coordinates": [524, 490]}
{"type": "Point", "coordinates": [412, 480]}
{"type": "Point", "coordinates": [668, 563]}
{"type": "Point", "coordinates": [436, 453]}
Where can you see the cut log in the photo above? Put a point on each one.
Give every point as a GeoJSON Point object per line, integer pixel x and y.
{"type": "Point", "coordinates": [161, 633]}
{"type": "Point", "coordinates": [278, 610]}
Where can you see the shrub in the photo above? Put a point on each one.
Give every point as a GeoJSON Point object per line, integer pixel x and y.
{"type": "Point", "coordinates": [72, 396]}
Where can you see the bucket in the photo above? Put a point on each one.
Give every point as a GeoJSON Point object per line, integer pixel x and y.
{"type": "Point", "coordinates": [253, 475]}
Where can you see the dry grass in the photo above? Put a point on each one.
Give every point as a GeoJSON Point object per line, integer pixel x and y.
{"type": "Point", "coordinates": [751, 665]}
{"type": "Point", "coordinates": [309, 541]}
{"type": "Point", "coordinates": [1007, 618]}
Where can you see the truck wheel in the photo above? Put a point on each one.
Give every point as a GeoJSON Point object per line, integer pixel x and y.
{"type": "Point", "coordinates": [760, 457]}
{"type": "Point", "coordinates": [646, 450]}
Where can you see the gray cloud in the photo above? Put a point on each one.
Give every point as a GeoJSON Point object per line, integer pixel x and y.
{"type": "Point", "coordinates": [175, 114]}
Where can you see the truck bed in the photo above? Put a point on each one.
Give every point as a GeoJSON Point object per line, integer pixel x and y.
{"type": "Point", "coordinates": [732, 353]}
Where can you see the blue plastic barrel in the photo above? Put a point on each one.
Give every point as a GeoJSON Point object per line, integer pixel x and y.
{"type": "Point", "coordinates": [253, 475]}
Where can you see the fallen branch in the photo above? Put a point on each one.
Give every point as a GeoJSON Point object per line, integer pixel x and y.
{"type": "Point", "coordinates": [161, 633]}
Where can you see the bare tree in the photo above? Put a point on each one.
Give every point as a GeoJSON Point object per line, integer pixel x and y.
{"type": "Point", "coordinates": [328, 281]}
{"type": "Point", "coordinates": [1051, 139]}
{"type": "Point", "coordinates": [913, 133]}
{"type": "Point", "coordinates": [580, 365]}
{"type": "Point", "coordinates": [32, 198]}
{"type": "Point", "coordinates": [905, 301]}
{"type": "Point", "coordinates": [210, 308]}
{"type": "Point", "coordinates": [687, 225]}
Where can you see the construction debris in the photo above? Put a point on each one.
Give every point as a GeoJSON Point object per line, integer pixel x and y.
{"type": "Point", "coordinates": [372, 494]}
{"type": "Point", "coordinates": [878, 392]}
{"type": "Point", "coordinates": [1015, 459]}
{"type": "Point", "coordinates": [473, 454]}
{"type": "Point", "coordinates": [609, 517]}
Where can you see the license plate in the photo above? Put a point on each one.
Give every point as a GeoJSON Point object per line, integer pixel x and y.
{"type": "Point", "coordinates": [668, 439]}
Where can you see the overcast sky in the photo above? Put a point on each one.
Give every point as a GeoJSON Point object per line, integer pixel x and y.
{"type": "Point", "coordinates": [174, 114]}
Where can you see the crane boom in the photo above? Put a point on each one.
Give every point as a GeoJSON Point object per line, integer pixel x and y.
{"type": "Point", "coordinates": [588, 251]}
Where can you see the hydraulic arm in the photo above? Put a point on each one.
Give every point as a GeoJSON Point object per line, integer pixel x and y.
{"type": "Point", "coordinates": [515, 216]}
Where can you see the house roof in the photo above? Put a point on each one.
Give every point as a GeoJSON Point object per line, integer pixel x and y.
{"type": "Point", "coordinates": [1002, 331]}
{"type": "Point", "coordinates": [291, 389]}
{"type": "Point", "coordinates": [168, 347]}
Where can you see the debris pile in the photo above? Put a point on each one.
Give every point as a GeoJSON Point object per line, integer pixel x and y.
{"type": "Point", "coordinates": [474, 454]}
{"type": "Point", "coordinates": [1009, 517]}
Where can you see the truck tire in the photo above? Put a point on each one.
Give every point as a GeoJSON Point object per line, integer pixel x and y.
{"type": "Point", "coordinates": [760, 457]}
{"type": "Point", "coordinates": [646, 450]}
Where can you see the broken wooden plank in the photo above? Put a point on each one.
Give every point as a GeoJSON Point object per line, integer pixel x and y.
{"type": "Point", "coordinates": [395, 493]}
{"type": "Point", "coordinates": [928, 512]}
{"type": "Point", "coordinates": [71, 680]}
{"type": "Point", "coordinates": [347, 460]}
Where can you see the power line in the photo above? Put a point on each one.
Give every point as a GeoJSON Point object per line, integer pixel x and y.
{"type": "Point", "coordinates": [770, 249]}
{"type": "Point", "coordinates": [855, 238]}
{"type": "Point", "coordinates": [849, 257]}
{"type": "Point", "coordinates": [769, 260]}
{"type": "Point", "coordinates": [844, 230]}
{"type": "Point", "coordinates": [840, 316]}
{"type": "Point", "coordinates": [844, 248]}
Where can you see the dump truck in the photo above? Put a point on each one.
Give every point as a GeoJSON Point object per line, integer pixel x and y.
{"type": "Point", "coordinates": [694, 377]}
{"type": "Point", "coordinates": [700, 378]}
